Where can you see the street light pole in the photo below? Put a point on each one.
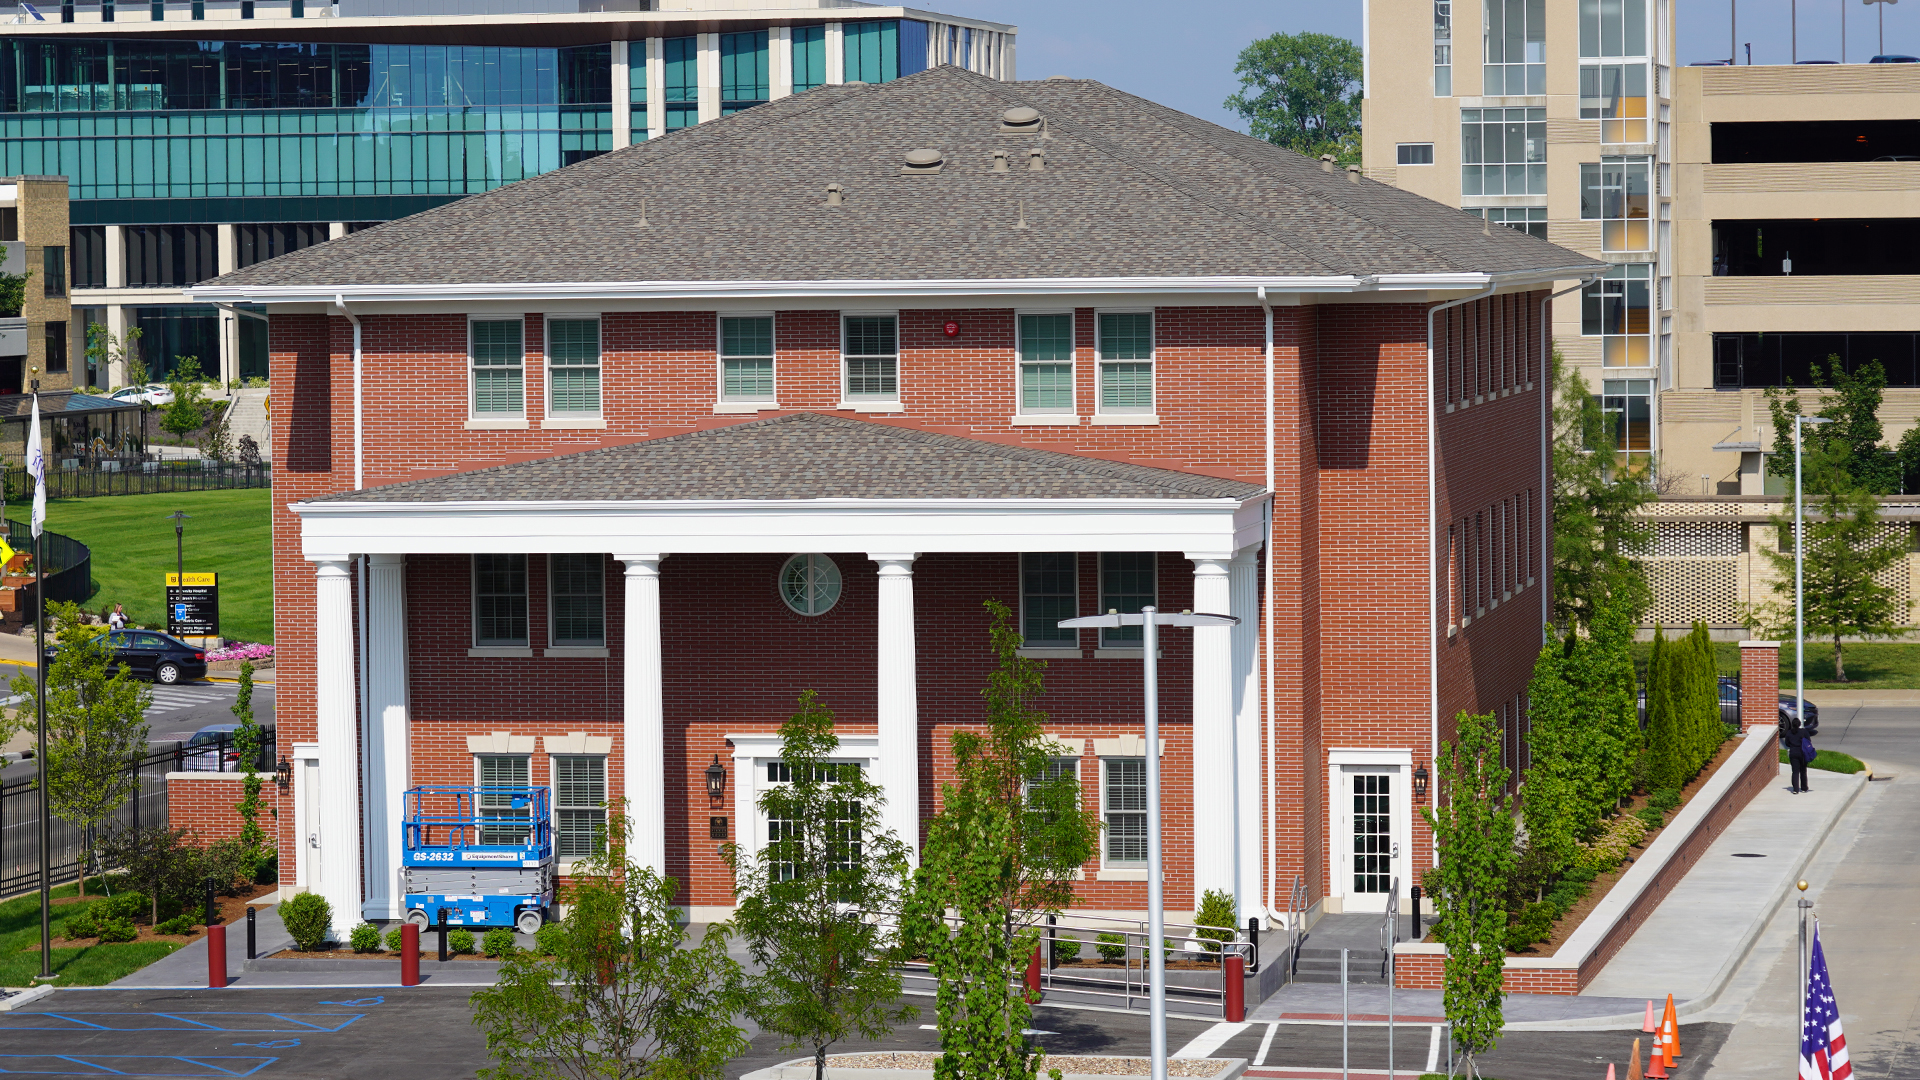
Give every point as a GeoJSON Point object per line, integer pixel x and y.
{"type": "Point", "coordinates": [1799, 573]}
{"type": "Point", "coordinates": [1149, 620]}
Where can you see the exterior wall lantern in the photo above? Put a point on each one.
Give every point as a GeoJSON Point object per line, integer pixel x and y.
{"type": "Point", "coordinates": [1420, 782]}
{"type": "Point", "coordinates": [283, 773]}
{"type": "Point", "coordinates": [716, 779]}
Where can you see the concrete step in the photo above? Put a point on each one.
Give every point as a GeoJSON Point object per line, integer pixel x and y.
{"type": "Point", "coordinates": [248, 415]}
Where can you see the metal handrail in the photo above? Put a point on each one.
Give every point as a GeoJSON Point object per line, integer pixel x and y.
{"type": "Point", "coordinates": [1296, 917]}
{"type": "Point", "coordinates": [1390, 928]}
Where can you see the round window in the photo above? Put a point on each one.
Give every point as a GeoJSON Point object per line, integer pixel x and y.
{"type": "Point", "coordinates": [810, 584]}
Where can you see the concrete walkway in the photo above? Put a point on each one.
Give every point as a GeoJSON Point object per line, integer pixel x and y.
{"type": "Point", "coordinates": [1692, 943]}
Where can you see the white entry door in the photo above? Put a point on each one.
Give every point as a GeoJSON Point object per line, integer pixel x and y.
{"type": "Point", "coordinates": [1371, 805]}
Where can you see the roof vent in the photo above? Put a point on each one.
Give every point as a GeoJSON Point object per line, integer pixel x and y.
{"type": "Point", "coordinates": [1059, 78]}
{"type": "Point", "coordinates": [1326, 162]}
{"type": "Point", "coordinates": [833, 195]}
{"type": "Point", "coordinates": [925, 160]}
{"type": "Point", "coordinates": [1020, 118]}
{"type": "Point", "coordinates": [999, 161]}
{"type": "Point", "coordinates": [854, 82]}
{"type": "Point", "coordinates": [1036, 160]}
{"type": "Point", "coordinates": [1353, 173]}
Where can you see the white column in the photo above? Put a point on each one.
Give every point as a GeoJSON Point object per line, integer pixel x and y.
{"type": "Point", "coordinates": [387, 737]}
{"type": "Point", "coordinates": [644, 732]}
{"type": "Point", "coordinates": [116, 256]}
{"type": "Point", "coordinates": [779, 62]}
{"type": "Point", "coordinates": [1213, 693]}
{"type": "Point", "coordinates": [622, 97]}
{"type": "Point", "coordinates": [1243, 584]}
{"type": "Point", "coordinates": [656, 89]}
{"type": "Point", "coordinates": [898, 700]}
{"type": "Point", "coordinates": [836, 55]}
{"type": "Point", "coordinates": [116, 372]}
{"type": "Point", "coordinates": [708, 72]}
{"type": "Point", "coordinates": [336, 229]}
{"type": "Point", "coordinates": [339, 816]}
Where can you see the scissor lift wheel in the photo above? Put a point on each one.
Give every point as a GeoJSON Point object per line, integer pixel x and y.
{"type": "Point", "coordinates": [528, 921]}
{"type": "Point", "coordinates": [419, 918]}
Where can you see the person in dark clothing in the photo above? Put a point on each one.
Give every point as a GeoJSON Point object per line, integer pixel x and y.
{"type": "Point", "coordinates": [1797, 739]}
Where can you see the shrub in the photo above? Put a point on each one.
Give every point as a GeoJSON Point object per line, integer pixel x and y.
{"type": "Point", "coordinates": [1664, 799]}
{"type": "Point", "coordinates": [548, 939]}
{"type": "Point", "coordinates": [131, 904]}
{"type": "Point", "coordinates": [1531, 925]}
{"type": "Point", "coordinates": [115, 929]}
{"type": "Point", "coordinates": [1216, 910]}
{"type": "Point", "coordinates": [365, 938]}
{"type": "Point", "coordinates": [499, 943]}
{"type": "Point", "coordinates": [1111, 946]}
{"type": "Point", "coordinates": [397, 939]}
{"type": "Point", "coordinates": [231, 864]}
{"type": "Point", "coordinates": [460, 941]}
{"type": "Point", "coordinates": [1651, 817]}
{"type": "Point", "coordinates": [80, 925]}
{"type": "Point", "coordinates": [1066, 949]}
{"type": "Point", "coordinates": [1610, 848]}
{"type": "Point", "coordinates": [1832, 761]}
{"type": "Point", "coordinates": [179, 924]}
{"type": "Point", "coordinates": [308, 917]}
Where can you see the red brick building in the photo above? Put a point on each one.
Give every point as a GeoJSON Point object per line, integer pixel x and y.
{"type": "Point", "coordinates": [585, 480]}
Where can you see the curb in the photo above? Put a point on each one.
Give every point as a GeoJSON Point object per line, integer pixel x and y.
{"type": "Point", "coordinates": [802, 1069]}
{"type": "Point", "coordinates": [1736, 956]}
{"type": "Point", "coordinates": [17, 998]}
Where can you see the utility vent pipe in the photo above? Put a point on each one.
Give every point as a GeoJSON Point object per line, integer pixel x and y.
{"type": "Point", "coordinates": [1326, 162]}
{"type": "Point", "coordinates": [999, 161]}
{"type": "Point", "coordinates": [1036, 160]}
{"type": "Point", "coordinates": [1353, 173]}
{"type": "Point", "coordinates": [833, 195]}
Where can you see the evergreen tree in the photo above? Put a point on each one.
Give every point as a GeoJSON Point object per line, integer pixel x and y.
{"type": "Point", "coordinates": [1612, 685]}
{"type": "Point", "coordinates": [1596, 503]}
{"type": "Point", "coordinates": [1555, 798]}
{"type": "Point", "coordinates": [1663, 742]}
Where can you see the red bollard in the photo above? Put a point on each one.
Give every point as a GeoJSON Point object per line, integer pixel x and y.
{"type": "Point", "coordinates": [409, 955]}
{"type": "Point", "coordinates": [1033, 976]}
{"type": "Point", "coordinates": [216, 957]}
{"type": "Point", "coordinates": [1234, 994]}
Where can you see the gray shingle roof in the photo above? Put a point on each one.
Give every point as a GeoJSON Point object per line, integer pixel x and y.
{"type": "Point", "coordinates": [1130, 189]}
{"type": "Point", "coordinates": [809, 456]}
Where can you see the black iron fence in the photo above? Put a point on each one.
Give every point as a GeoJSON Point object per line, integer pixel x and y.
{"type": "Point", "coordinates": [68, 564]}
{"type": "Point", "coordinates": [116, 477]}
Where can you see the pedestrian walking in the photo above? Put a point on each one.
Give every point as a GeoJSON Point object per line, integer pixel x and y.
{"type": "Point", "coordinates": [1796, 738]}
{"type": "Point", "coordinates": [117, 618]}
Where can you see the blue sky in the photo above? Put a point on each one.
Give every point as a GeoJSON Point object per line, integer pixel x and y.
{"type": "Point", "coordinates": [1186, 61]}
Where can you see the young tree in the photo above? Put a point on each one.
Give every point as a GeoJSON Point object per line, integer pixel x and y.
{"type": "Point", "coordinates": [1851, 443]}
{"type": "Point", "coordinates": [162, 860]}
{"type": "Point", "coordinates": [1847, 551]}
{"type": "Point", "coordinates": [13, 293]}
{"type": "Point", "coordinates": [246, 740]}
{"type": "Point", "coordinates": [625, 997]}
{"type": "Point", "coordinates": [96, 726]}
{"type": "Point", "coordinates": [188, 410]}
{"type": "Point", "coordinates": [1302, 91]}
{"type": "Point", "coordinates": [1609, 681]}
{"type": "Point", "coordinates": [1596, 506]}
{"type": "Point", "coordinates": [1472, 823]}
{"type": "Point", "coordinates": [1555, 800]}
{"type": "Point", "coordinates": [104, 349]}
{"type": "Point", "coordinates": [1000, 856]}
{"type": "Point", "coordinates": [828, 970]}
{"type": "Point", "coordinates": [1667, 768]}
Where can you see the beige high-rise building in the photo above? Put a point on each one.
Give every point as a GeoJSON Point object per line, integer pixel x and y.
{"type": "Point", "coordinates": [1757, 220]}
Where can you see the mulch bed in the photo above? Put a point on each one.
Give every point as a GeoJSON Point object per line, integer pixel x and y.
{"type": "Point", "coordinates": [1069, 1063]}
{"type": "Point", "coordinates": [232, 909]}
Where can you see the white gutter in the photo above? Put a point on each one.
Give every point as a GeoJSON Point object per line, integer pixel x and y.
{"type": "Point", "coordinates": [1546, 451]}
{"type": "Point", "coordinates": [359, 443]}
{"type": "Point", "coordinates": [1436, 631]}
{"type": "Point", "coordinates": [984, 507]}
{"type": "Point", "coordinates": [1266, 625]}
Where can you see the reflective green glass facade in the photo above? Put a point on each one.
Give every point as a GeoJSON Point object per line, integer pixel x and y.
{"type": "Point", "coordinates": [680, 58]}
{"type": "Point", "coordinates": [744, 80]}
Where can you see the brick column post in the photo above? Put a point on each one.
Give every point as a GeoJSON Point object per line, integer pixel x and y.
{"type": "Point", "coordinates": [1759, 684]}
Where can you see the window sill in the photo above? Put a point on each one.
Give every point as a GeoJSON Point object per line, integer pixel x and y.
{"type": "Point", "coordinates": [727, 408]}
{"type": "Point", "coordinates": [590, 652]}
{"type": "Point", "coordinates": [1122, 874]}
{"type": "Point", "coordinates": [872, 406]}
{"type": "Point", "coordinates": [503, 423]}
{"type": "Point", "coordinates": [500, 650]}
{"type": "Point", "coordinates": [1144, 419]}
{"type": "Point", "coordinates": [1045, 420]}
{"type": "Point", "coordinates": [1052, 654]}
{"type": "Point", "coordinates": [1125, 654]}
{"type": "Point", "coordinates": [594, 422]}
{"type": "Point", "coordinates": [1452, 629]}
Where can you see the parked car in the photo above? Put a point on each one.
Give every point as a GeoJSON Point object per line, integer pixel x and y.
{"type": "Point", "coordinates": [1812, 714]}
{"type": "Point", "coordinates": [1894, 58]}
{"type": "Point", "coordinates": [150, 394]}
{"type": "Point", "coordinates": [211, 749]}
{"type": "Point", "coordinates": [1729, 701]}
{"type": "Point", "coordinates": [152, 655]}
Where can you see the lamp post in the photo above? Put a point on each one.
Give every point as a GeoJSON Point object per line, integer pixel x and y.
{"type": "Point", "coordinates": [1149, 620]}
{"type": "Point", "coordinates": [179, 519]}
{"type": "Point", "coordinates": [1881, 9]}
{"type": "Point", "coordinates": [1799, 573]}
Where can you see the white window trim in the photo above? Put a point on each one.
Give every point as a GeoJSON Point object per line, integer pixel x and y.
{"type": "Point", "coordinates": [1104, 415]}
{"type": "Point", "coordinates": [566, 865]}
{"type": "Point", "coordinates": [1100, 593]}
{"type": "Point", "coordinates": [752, 752]}
{"type": "Point", "coordinates": [473, 617]}
{"type": "Point", "coordinates": [869, 404]}
{"type": "Point", "coordinates": [1052, 650]}
{"type": "Point", "coordinates": [1121, 871]}
{"type": "Point", "coordinates": [477, 421]}
{"type": "Point", "coordinates": [723, 404]}
{"type": "Point", "coordinates": [595, 419]}
{"type": "Point", "coordinates": [1071, 413]}
{"type": "Point", "coordinates": [1337, 813]}
{"type": "Point", "coordinates": [576, 649]}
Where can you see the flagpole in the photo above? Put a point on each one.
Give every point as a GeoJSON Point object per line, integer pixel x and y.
{"type": "Point", "coordinates": [37, 465]}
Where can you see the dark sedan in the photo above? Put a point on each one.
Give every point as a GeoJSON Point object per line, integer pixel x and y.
{"type": "Point", "coordinates": [1786, 709]}
{"type": "Point", "coordinates": [151, 655]}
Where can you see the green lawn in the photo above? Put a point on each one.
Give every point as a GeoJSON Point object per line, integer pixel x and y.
{"type": "Point", "coordinates": [86, 965]}
{"type": "Point", "coordinates": [1877, 665]}
{"type": "Point", "coordinates": [231, 533]}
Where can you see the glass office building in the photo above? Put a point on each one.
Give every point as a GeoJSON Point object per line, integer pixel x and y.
{"type": "Point", "coordinates": [202, 137]}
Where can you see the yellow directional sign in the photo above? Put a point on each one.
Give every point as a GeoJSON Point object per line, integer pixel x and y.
{"type": "Point", "coordinates": [194, 579]}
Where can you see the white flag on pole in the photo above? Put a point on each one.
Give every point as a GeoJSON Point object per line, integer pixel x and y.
{"type": "Point", "coordinates": [37, 468]}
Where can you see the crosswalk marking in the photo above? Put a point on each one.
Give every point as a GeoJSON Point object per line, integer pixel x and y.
{"type": "Point", "coordinates": [1266, 1044]}
{"type": "Point", "coordinates": [168, 699]}
{"type": "Point", "coordinates": [1433, 1050]}
{"type": "Point", "coordinates": [1210, 1040]}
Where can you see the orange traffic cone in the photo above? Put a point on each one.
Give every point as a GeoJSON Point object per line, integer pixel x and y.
{"type": "Point", "coordinates": [1633, 1063]}
{"type": "Point", "coordinates": [1651, 1025]}
{"type": "Point", "coordinates": [1610, 1075]}
{"type": "Point", "coordinates": [1670, 1028]}
{"type": "Point", "coordinates": [1656, 1064]}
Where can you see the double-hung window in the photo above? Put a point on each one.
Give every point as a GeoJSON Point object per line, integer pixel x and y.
{"type": "Point", "coordinates": [500, 601]}
{"type": "Point", "coordinates": [1618, 193]}
{"type": "Point", "coordinates": [871, 348]}
{"type": "Point", "coordinates": [579, 804]}
{"type": "Point", "coordinates": [1046, 363]}
{"type": "Point", "coordinates": [1126, 586]}
{"type": "Point", "coordinates": [576, 601]}
{"type": "Point", "coordinates": [502, 822]}
{"type": "Point", "coordinates": [498, 356]}
{"type": "Point", "coordinates": [573, 367]}
{"type": "Point", "coordinates": [1123, 805]}
{"type": "Point", "coordinates": [746, 359]}
{"type": "Point", "coordinates": [1049, 592]}
{"type": "Point", "coordinates": [1126, 362]}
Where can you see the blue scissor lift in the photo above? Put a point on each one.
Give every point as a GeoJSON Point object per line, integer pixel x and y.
{"type": "Point", "coordinates": [484, 855]}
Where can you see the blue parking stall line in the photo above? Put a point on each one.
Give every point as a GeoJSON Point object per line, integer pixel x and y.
{"type": "Point", "coordinates": [357, 1001]}
{"type": "Point", "coordinates": [223, 1022]}
{"type": "Point", "coordinates": [167, 1065]}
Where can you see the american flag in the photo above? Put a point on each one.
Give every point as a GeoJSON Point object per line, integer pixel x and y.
{"type": "Point", "coordinates": [1823, 1046]}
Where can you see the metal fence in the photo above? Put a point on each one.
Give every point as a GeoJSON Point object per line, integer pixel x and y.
{"type": "Point", "coordinates": [115, 477]}
{"type": "Point", "coordinates": [69, 563]}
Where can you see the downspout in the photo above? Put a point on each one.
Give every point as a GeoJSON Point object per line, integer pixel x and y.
{"type": "Point", "coordinates": [365, 724]}
{"type": "Point", "coordinates": [1266, 627]}
{"type": "Point", "coordinates": [358, 443]}
{"type": "Point", "coordinates": [1435, 630]}
{"type": "Point", "coordinates": [1546, 449]}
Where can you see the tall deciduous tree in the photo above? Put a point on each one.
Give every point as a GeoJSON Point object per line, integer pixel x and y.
{"type": "Point", "coordinates": [1851, 443]}
{"type": "Point", "coordinates": [1302, 91]}
{"type": "Point", "coordinates": [1472, 823]}
{"type": "Point", "coordinates": [828, 970]}
{"type": "Point", "coordinates": [1000, 856]}
{"type": "Point", "coordinates": [1847, 550]}
{"type": "Point", "coordinates": [1597, 527]}
{"type": "Point", "coordinates": [96, 726]}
